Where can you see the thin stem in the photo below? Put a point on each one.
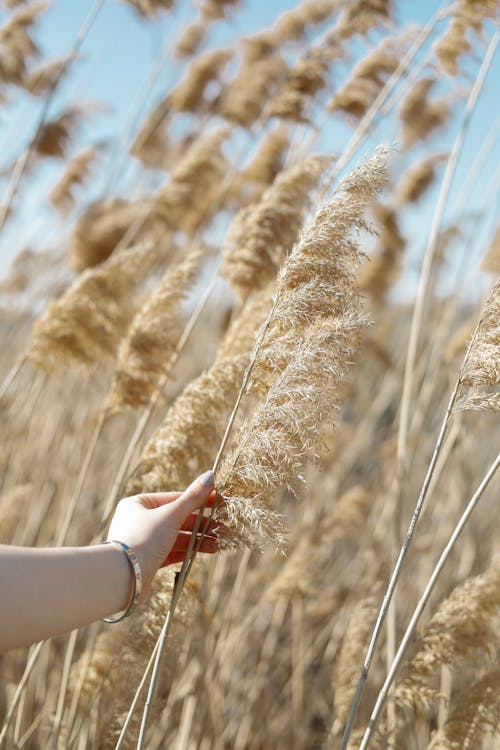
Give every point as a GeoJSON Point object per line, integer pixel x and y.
{"type": "Point", "coordinates": [406, 546]}
{"type": "Point", "coordinates": [68, 658]}
{"type": "Point", "coordinates": [430, 252]}
{"type": "Point", "coordinates": [424, 599]}
{"type": "Point", "coordinates": [12, 375]}
{"type": "Point", "coordinates": [63, 531]}
{"type": "Point", "coordinates": [35, 652]}
{"type": "Point", "coordinates": [137, 694]}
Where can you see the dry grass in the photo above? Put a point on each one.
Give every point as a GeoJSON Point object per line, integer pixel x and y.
{"type": "Point", "coordinates": [304, 348]}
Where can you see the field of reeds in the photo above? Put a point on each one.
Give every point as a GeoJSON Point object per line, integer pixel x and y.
{"type": "Point", "coordinates": [288, 286]}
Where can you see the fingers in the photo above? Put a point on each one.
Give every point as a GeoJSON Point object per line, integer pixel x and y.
{"type": "Point", "coordinates": [206, 525]}
{"type": "Point", "coordinates": [157, 499]}
{"type": "Point", "coordinates": [195, 497]}
{"type": "Point", "coordinates": [209, 545]}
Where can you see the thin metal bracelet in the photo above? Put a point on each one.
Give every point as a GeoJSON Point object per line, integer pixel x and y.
{"type": "Point", "coordinates": [136, 570]}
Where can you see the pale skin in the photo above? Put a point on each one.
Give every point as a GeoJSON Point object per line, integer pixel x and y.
{"type": "Point", "coordinates": [50, 591]}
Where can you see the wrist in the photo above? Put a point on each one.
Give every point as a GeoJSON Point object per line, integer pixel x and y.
{"type": "Point", "coordinates": [127, 555]}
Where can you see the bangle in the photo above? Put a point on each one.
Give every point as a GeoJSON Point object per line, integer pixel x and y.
{"type": "Point", "coordinates": [136, 570]}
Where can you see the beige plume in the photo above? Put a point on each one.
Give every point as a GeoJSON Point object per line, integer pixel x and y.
{"type": "Point", "coordinates": [262, 234]}
{"type": "Point", "coordinates": [85, 325]}
{"type": "Point", "coordinates": [152, 337]}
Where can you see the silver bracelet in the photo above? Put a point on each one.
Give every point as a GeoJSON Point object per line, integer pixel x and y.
{"type": "Point", "coordinates": [136, 570]}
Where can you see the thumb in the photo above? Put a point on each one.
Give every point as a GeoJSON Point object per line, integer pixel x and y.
{"type": "Point", "coordinates": [193, 498]}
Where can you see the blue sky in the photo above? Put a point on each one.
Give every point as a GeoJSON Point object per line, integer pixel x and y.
{"type": "Point", "coordinates": [117, 58]}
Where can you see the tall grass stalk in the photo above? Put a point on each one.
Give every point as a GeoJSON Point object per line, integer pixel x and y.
{"type": "Point", "coordinates": [382, 696]}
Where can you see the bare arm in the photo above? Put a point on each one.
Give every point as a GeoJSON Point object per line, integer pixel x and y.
{"type": "Point", "coordinates": [45, 592]}
{"type": "Point", "coordinates": [50, 591]}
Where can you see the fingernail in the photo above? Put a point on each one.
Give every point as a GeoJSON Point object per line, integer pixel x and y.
{"type": "Point", "coordinates": [207, 479]}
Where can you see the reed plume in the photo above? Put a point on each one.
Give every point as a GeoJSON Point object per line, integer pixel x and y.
{"type": "Point", "coordinates": [360, 16]}
{"type": "Point", "coordinates": [214, 10]}
{"type": "Point", "coordinates": [304, 81]}
{"type": "Point", "coordinates": [383, 268]}
{"type": "Point", "coordinates": [261, 234]}
{"type": "Point", "coordinates": [85, 325]}
{"type": "Point", "coordinates": [152, 337]}
{"type": "Point", "coordinates": [55, 135]}
{"type": "Point", "coordinates": [190, 41]}
{"type": "Point", "coordinates": [293, 24]}
{"type": "Point", "coordinates": [313, 329]}
{"type": "Point", "coordinates": [454, 43]}
{"type": "Point", "coordinates": [150, 8]}
{"type": "Point", "coordinates": [151, 143]}
{"type": "Point", "coordinates": [104, 225]}
{"type": "Point", "coordinates": [418, 178]}
{"type": "Point", "coordinates": [476, 716]}
{"type": "Point", "coordinates": [461, 633]}
{"type": "Point", "coordinates": [193, 189]}
{"type": "Point", "coordinates": [420, 116]}
{"type": "Point", "coordinates": [195, 423]}
{"type": "Point", "coordinates": [481, 368]}
{"type": "Point", "coordinates": [188, 95]}
{"type": "Point", "coordinates": [367, 80]}
{"type": "Point", "coordinates": [257, 81]}
{"type": "Point", "coordinates": [267, 162]}
{"type": "Point", "coordinates": [42, 79]}
{"type": "Point", "coordinates": [77, 171]}
{"type": "Point", "coordinates": [17, 46]}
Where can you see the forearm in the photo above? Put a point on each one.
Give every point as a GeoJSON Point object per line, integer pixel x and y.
{"type": "Point", "coordinates": [46, 592]}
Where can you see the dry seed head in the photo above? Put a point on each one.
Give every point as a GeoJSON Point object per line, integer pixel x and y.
{"type": "Point", "coordinates": [43, 78]}
{"type": "Point", "coordinates": [186, 441]}
{"type": "Point", "coordinates": [214, 10]}
{"type": "Point", "coordinates": [419, 115]}
{"type": "Point", "coordinates": [84, 326]}
{"type": "Point", "coordinates": [482, 367]}
{"type": "Point", "coordinates": [262, 234]}
{"type": "Point", "coordinates": [193, 189]}
{"type": "Point", "coordinates": [418, 178]}
{"type": "Point", "coordinates": [368, 78]}
{"type": "Point", "coordinates": [454, 42]}
{"type": "Point", "coordinates": [303, 82]}
{"type": "Point", "coordinates": [104, 224]}
{"type": "Point", "coordinates": [55, 135]}
{"type": "Point", "coordinates": [188, 95]}
{"type": "Point", "coordinates": [190, 41]}
{"type": "Point", "coordinates": [151, 142]}
{"type": "Point", "coordinates": [150, 8]}
{"type": "Point", "coordinates": [383, 268]}
{"type": "Point", "coordinates": [293, 24]}
{"type": "Point", "coordinates": [243, 99]}
{"type": "Point", "coordinates": [360, 16]}
{"type": "Point", "coordinates": [463, 630]}
{"type": "Point", "coordinates": [77, 171]}
{"type": "Point", "coordinates": [269, 159]}
{"type": "Point", "coordinates": [16, 44]}
{"type": "Point", "coordinates": [476, 716]}
{"type": "Point", "coordinates": [310, 341]}
{"type": "Point", "coordinates": [152, 337]}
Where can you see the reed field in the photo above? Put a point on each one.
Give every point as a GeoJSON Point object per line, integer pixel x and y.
{"type": "Point", "coordinates": [273, 270]}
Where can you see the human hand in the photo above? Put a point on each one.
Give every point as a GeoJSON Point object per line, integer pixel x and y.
{"type": "Point", "coordinates": [158, 526]}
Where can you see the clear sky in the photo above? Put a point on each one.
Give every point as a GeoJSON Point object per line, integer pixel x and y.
{"type": "Point", "coordinates": [116, 60]}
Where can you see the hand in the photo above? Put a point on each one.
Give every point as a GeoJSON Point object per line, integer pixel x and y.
{"type": "Point", "coordinates": [158, 526]}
